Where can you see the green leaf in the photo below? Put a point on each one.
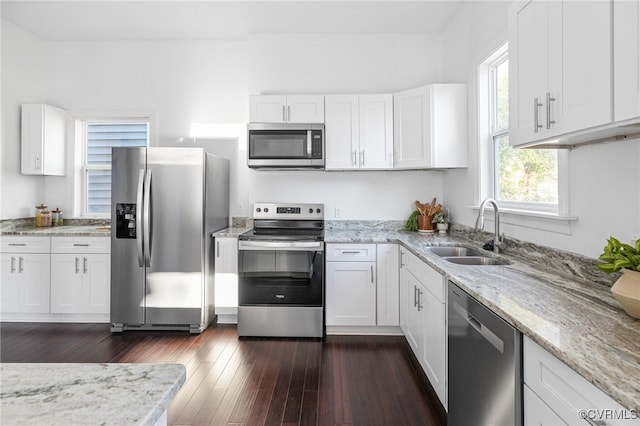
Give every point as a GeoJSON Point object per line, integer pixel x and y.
{"type": "Point", "coordinates": [607, 267]}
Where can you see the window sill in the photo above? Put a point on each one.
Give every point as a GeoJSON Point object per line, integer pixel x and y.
{"type": "Point", "coordinates": [545, 221]}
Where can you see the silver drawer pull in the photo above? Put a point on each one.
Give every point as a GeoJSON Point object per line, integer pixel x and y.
{"type": "Point", "coordinates": [17, 244]}
{"type": "Point", "coordinates": [20, 264]}
{"type": "Point", "coordinates": [81, 245]}
{"type": "Point", "coordinates": [350, 252]}
{"type": "Point", "coordinates": [13, 264]}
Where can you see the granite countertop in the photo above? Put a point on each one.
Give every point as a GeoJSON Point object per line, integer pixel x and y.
{"type": "Point", "coordinates": [574, 318]}
{"type": "Point", "coordinates": [71, 228]}
{"type": "Point", "coordinates": [87, 394]}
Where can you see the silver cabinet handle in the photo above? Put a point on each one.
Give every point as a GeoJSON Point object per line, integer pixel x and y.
{"type": "Point", "coordinates": [77, 267]}
{"type": "Point", "coordinates": [218, 248]}
{"type": "Point", "coordinates": [13, 264]}
{"type": "Point", "coordinates": [415, 296]}
{"type": "Point", "coordinates": [350, 252]}
{"type": "Point", "coordinates": [362, 158]}
{"type": "Point", "coordinates": [80, 245]}
{"type": "Point", "coordinates": [549, 100]}
{"type": "Point", "coordinates": [20, 264]}
{"type": "Point", "coordinates": [37, 162]}
{"type": "Point", "coordinates": [288, 113]}
{"type": "Point", "coordinates": [17, 244]}
{"type": "Point", "coordinates": [401, 259]}
{"type": "Point", "coordinates": [419, 300]}
{"type": "Point", "coordinates": [353, 158]}
{"type": "Point", "coordinates": [371, 274]}
{"type": "Point", "coordinates": [536, 118]}
{"type": "Point", "coordinates": [84, 264]}
{"type": "Point", "coordinates": [284, 113]}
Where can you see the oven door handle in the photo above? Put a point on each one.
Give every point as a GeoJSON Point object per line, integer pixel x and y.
{"type": "Point", "coordinates": [281, 245]}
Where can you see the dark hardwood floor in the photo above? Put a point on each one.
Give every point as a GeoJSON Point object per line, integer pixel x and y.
{"type": "Point", "coordinates": [339, 380]}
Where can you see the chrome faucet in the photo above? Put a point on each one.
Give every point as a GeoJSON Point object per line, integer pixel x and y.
{"type": "Point", "coordinates": [497, 239]}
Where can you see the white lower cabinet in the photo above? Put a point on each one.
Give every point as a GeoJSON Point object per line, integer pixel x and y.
{"type": "Point", "coordinates": [80, 275]}
{"type": "Point", "coordinates": [351, 293]}
{"type": "Point", "coordinates": [362, 287]}
{"type": "Point", "coordinates": [226, 279]}
{"type": "Point", "coordinates": [25, 263]}
{"type": "Point", "coordinates": [554, 394]}
{"type": "Point", "coordinates": [423, 318]}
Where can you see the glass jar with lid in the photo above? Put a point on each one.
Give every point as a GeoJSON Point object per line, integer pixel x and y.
{"type": "Point", "coordinates": [39, 211]}
{"type": "Point", "coordinates": [56, 217]}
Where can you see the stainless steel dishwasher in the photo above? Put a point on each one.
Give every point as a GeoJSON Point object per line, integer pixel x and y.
{"type": "Point", "coordinates": [485, 365]}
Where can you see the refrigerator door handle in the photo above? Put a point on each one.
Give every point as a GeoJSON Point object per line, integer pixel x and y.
{"type": "Point", "coordinates": [139, 218]}
{"type": "Point", "coordinates": [147, 219]}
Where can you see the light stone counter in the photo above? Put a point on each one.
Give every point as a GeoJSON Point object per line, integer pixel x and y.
{"type": "Point", "coordinates": [71, 228]}
{"type": "Point", "coordinates": [553, 297]}
{"type": "Point", "coordinates": [88, 394]}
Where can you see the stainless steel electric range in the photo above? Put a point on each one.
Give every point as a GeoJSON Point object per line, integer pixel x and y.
{"type": "Point", "coordinates": [281, 272]}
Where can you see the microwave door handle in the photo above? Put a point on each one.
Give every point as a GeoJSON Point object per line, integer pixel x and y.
{"type": "Point", "coordinates": [309, 143]}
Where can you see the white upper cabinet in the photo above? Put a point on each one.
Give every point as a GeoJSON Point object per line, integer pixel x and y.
{"type": "Point", "coordinates": [286, 109]}
{"type": "Point", "coordinates": [626, 51]}
{"type": "Point", "coordinates": [359, 132]}
{"type": "Point", "coordinates": [430, 127]}
{"type": "Point", "coordinates": [559, 68]}
{"type": "Point", "coordinates": [43, 137]}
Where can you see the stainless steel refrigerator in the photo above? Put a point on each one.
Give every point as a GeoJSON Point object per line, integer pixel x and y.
{"type": "Point", "coordinates": [165, 203]}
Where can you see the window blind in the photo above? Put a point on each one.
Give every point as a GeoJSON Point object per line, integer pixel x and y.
{"type": "Point", "coordinates": [101, 137]}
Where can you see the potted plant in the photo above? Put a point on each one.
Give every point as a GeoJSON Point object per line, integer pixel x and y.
{"type": "Point", "coordinates": [442, 222]}
{"type": "Point", "coordinates": [626, 290]}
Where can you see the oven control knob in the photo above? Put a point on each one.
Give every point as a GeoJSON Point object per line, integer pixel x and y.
{"type": "Point", "coordinates": [310, 210]}
{"type": "Point", "coordinates": [318, 211]}
{"type": "Point", "coordinates": [266, 210]}
{"type": "Point", "coordinates": [258, 210]}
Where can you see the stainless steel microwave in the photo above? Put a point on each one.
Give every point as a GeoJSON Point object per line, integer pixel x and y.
{"type": "Point", "coordinates": [285, 146]}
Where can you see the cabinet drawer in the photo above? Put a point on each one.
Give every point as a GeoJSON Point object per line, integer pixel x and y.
{"type": "Point", "coordinates": [434, 282]}
{"type": "Point", "coordinates": [565, 391]}
{"type": "Point", "coordinates": [81, 245]}
{"type": "Point", "coordinates": [19, 244]}
{"type": "Point", "coordinates": [351, 252]}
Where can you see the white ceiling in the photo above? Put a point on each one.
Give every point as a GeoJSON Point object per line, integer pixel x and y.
{"type": "Point", "coordinates": [224, 20]}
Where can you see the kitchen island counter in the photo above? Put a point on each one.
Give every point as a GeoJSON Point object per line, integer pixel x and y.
{"type": "Point", "coordinates": [547, 295]}
{"type": "Point", "coordinates": [88, 394]}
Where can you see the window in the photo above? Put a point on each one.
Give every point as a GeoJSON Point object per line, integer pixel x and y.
{"type": "Point", "coordinates": [100, 137]}
{"type": "Point", "coordinates": [519, 179]}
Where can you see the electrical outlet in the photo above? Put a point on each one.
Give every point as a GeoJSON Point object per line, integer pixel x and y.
{"type": "Point", "coordinates": [239, 208]}
{"type": "Point", "coordinates": [336, 212]}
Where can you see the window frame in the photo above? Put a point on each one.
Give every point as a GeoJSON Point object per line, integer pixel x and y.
{"type": "Point", "coordinates": [487, 152]}
{"type": "Point", "coordinates": [82, 121]}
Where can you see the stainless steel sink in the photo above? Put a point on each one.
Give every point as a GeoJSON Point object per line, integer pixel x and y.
{"type": "Point", "coordinates": [475, 260]}
{"type": "Point", "coordinates": [455, 251]}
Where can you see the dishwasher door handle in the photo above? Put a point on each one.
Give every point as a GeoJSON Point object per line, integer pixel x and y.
{"type": "Point", "coordinates": [482, 329]}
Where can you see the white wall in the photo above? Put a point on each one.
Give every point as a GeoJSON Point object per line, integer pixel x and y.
{"type": "Point", "coordinates": [181, 83]}
{"type": "Point", "coordinates": [604, 179]}
{"type": "Point", "coordinates": [24, 72]}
